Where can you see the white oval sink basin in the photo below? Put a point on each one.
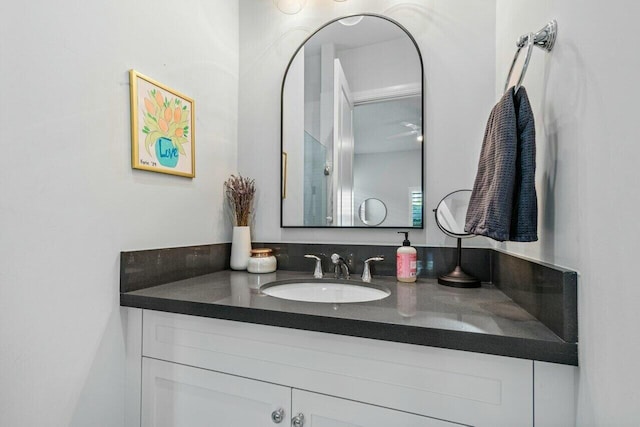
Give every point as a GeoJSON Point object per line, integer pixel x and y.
{"type": "Point", "coordinates": [325, 291]}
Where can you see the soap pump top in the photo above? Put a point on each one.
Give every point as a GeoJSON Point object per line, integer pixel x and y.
{"type": "Point", "coordinates": [406, 241]}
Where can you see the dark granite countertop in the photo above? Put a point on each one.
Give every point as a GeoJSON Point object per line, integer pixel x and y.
{"type": "Point", "coordinates": [482, 320]}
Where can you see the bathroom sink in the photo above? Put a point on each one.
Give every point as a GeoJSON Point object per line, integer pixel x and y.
{"type": "Point", "coordinates": [325, 290]}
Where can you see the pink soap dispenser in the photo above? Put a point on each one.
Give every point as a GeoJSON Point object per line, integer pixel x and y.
{"type": "Point", "coordinates": [406, 260]}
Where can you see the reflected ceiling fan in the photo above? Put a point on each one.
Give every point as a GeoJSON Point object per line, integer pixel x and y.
{"type": "Point", "coordinates": [414, 129]}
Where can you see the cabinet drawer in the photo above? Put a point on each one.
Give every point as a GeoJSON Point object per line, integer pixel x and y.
{"type": "Point", "coordinates": [468, 388]}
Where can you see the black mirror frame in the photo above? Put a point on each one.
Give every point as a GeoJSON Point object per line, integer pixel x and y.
{"type": "Point", "coordinates": [282, 165]}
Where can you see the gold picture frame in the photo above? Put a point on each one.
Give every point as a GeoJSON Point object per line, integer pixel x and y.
{"type": "Point", "coordinates": [162, 128]}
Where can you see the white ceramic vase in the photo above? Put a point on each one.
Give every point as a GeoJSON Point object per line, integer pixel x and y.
{"type": "Point", "coordinates": [240, 247]}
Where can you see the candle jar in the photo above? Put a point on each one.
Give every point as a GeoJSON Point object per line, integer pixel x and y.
{"type": "Point", "coordinates": [262, 261]}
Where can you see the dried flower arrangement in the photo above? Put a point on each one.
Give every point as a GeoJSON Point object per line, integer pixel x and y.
{"type": "Point", "coordinates": [239, 192]}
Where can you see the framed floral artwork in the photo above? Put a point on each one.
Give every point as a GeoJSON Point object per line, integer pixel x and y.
{"type": "Point", "coordinates": [162, 132]}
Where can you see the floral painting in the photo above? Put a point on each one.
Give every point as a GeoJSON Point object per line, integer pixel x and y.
{"type": "Point", "coordinates": [162, 128]}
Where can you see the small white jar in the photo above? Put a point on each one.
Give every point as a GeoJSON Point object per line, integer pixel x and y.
{"type": "Point", "coordinates": [262, 261]}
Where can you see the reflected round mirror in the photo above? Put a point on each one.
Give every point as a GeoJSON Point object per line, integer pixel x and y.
{"type": "Point", "coordinates": [372, 212]}
{"type": "Point", "coordinates": [352, 126]}
{"type": "Point", "coordinates": [451, 215]}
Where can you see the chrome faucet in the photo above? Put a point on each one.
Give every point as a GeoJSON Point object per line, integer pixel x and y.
{"type": "Point", "coordinates": [340, 264]}
{"type": "Point", "coordinates": [317, 273]}
{"type": "Point", "coordinates": [366, 273]}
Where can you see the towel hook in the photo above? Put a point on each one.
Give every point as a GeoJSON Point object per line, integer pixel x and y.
{"type": "Point", "coordinates": [544, 39]}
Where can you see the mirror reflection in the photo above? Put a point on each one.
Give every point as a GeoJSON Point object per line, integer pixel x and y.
{"type": "Point", "coordinates": [451, 213]}
{"type": "Point", "coordinates": [352, 127]}
{"type": "Point", "coordinates": [372, 212]}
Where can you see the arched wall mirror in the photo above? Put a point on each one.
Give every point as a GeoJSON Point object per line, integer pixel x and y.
{"type": "Point", "coordinates": [352, 126]}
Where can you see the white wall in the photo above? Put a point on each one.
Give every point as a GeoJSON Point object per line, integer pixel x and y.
{"type": "Point", "coordinates": [459, 78]}
{"type": "Point", "coordinates": [584, 96]}
{"type": "Point", "coordinates": [70, 202]}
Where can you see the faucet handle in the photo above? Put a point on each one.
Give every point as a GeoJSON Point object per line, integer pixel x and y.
{"type": "Point", "coordinates": [317, 272]}
{"type": "Point", "coordinates": [366, 272]}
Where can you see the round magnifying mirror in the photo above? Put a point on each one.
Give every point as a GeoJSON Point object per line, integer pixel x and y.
{"type": "Point", "coordinates": [451, 215]}
{"type": "Point", "coordinates": [372, 212]}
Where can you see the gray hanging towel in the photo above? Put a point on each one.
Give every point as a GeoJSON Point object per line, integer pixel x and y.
{"type": "Point", "coordinates": [503, 202]}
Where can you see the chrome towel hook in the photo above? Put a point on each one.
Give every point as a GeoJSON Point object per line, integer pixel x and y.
{"type": "Point", "coordinates": [544, 39]}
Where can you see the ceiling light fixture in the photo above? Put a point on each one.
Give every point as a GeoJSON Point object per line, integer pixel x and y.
{"type": "Point", "coordinates": [290, 7]}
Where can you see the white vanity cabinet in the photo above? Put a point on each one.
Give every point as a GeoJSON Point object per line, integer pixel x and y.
{"type": "Point", "coordinates": [198, 371]}
{"type": "Point", "coordinates": [175, 395]}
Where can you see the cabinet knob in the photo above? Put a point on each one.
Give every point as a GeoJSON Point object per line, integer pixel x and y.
{"type": "Point", "coordinates": [298, 420]}
{"type": "Point", "coordinates": [277, 416]}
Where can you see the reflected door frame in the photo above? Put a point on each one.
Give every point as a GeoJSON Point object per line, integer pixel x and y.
{"type": "Point", "coordinates": [343, 149]}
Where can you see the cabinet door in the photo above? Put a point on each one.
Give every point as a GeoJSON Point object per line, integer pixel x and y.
{"type": "Point", "coordinates": [181, 396]}
{"type": "Point", "coordinates": [320, 410]}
